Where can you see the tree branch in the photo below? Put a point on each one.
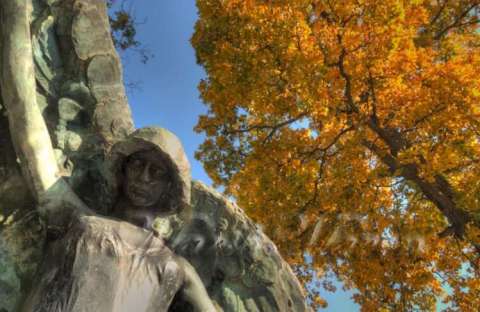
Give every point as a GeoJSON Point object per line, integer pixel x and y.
{"type": "Point", "coordinates": [439, 13]}
{"type": "Point", "coordinates": [457, 22]}
{"type": "Point", "coordinates": [324, 149]}
{"type": "Point", "coordinates": [273, 128]}
{"type": "Point", "coordinates": [439, 193]}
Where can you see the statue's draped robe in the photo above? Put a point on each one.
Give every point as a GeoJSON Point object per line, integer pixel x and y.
{"type": "Point", "coordinates": [102, 264]}
{"type": "Point", "coordinates": [106, 265]}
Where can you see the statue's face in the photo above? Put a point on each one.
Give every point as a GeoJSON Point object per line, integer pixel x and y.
{"type": "Point", "coordinates": [146, 178]}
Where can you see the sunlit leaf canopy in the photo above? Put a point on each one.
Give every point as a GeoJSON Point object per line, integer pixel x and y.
{"type": "Point", "coordinates": [350, 130]}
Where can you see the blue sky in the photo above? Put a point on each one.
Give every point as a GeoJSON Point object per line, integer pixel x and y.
{"type": "Point", "coordinates": [168, 95]}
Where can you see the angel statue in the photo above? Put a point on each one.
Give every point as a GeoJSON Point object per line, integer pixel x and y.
{"type": "Point", "coordinates": [164, 243]}
{"type": "Point", "coordinates": [121, 262]}
{"type": "Point", "coordinates": [98, 263]}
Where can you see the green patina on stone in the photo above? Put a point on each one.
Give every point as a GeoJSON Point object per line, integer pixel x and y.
{"type": "Point", "coordinates": [66, 35]}
{"type": "Point", "coordinates": [9, 281]}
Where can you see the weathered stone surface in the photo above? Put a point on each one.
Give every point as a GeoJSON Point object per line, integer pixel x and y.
{"type": "Point", "coordinates": [109, 123]}
{"type": "Point", "coordinates": [73, 141]}
{"type": "Point", "coordinates": [21, 243]}
{"type": "Point", "coordinates": [104, 79]}
{"type": "Point", "coordinates": [47, 57]}
{"type": "Point", "coordinates": [66, 35]}
{"type": "Point", "coordinates": [79, 92]}
{"type": "Point", "coordinates": [90, 29]}
{"type": "Point", "coordinates": [103, 72]}
{"type": "Point", "coordinates": [87, 259]}
{"type": "Point", "coordinates": [9, 281]}
{"type": "Point", "coordinates": [168, 145]}
{"type": "Point", "coordinates": [240, 265]}
{"type": "Point", "coordinates": [68, 110]}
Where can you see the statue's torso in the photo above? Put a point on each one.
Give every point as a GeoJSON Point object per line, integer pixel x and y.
{"type": "Point", "coordinates": [109, 266]}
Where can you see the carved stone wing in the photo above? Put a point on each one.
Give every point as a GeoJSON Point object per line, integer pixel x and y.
{"type": "Point", "coordinates": [240, 266]}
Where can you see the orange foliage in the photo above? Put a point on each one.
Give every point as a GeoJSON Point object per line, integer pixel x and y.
{"type": "Point", "coordinates": [350, 130]}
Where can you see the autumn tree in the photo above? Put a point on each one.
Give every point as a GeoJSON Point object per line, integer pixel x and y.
{"type": "Point", "coordinates": [350, 129]}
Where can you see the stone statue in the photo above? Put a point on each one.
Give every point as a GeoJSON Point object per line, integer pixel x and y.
{"type": "Point", "coordinates": [100, 263]}
{"type": "Point", "coordinates": [148, 175]}
{"type": "Point", "coordinates": [95, 216]}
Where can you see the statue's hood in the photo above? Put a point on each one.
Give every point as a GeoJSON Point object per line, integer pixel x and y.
{"type": "Point", "coordinates": [169, 146]}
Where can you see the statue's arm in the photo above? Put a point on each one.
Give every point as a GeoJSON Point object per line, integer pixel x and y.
{"type": "Point", "coordinates": [194, 291]}
{"type": "Point", "coordinates": [28, 129]}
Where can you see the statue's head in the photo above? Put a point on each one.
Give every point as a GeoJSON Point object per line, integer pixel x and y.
{"type": "Point", "coordinates": [150, 171]}
{"type": "Point", "coordinates": [147, 179]}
